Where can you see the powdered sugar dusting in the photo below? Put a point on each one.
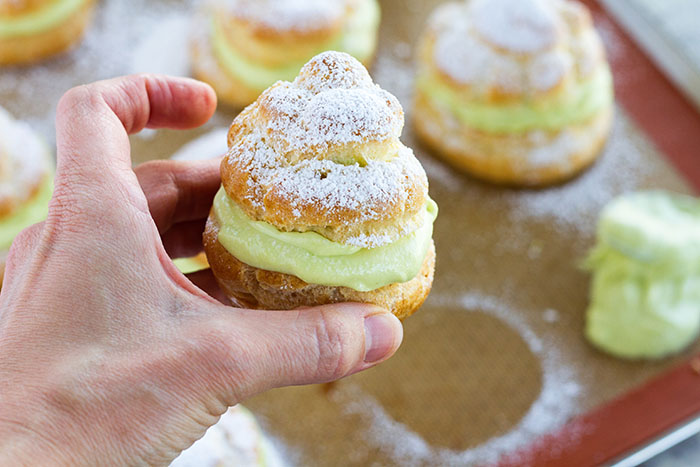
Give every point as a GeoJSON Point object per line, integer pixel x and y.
{"type": "Point", "coordinates": [577, 203]}
{"type": "Point", "coordinates": [547, 69]}
{"type": "Point", "coordinates": [556, 403]}
{"type": "Point", "coordinates": [331, 117]}
{"type": "Point", "coordinates": [285, 15]}
{"type": "Point", "coordinates": [329, 139]}
{"type": "Point", "coordinates": [523, 26]}
{"type": "Point", "coordinates": [515, 46]}
{"type": "Point", "coordinates": [332, 102]}
{"type": "Point", "coordinates": [24, 159]}
{"type": "Point", "coordinates": [335, 187]}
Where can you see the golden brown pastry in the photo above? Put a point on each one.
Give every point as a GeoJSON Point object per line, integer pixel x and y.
{"type": "Point", "coordinates": [31, 30]}
{"type": "Point", "coordinates": [244, 46]}
{"type": "Point", "coordinates": [321, 202]}
{"type": "Point", "coordinates": [26, 176]}
{"type": "Point", "coordinates": [514, 91]}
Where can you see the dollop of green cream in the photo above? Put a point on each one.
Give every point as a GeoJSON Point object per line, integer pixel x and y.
{"type": "Point", "coordinates": [645, 296]}
{"type": "Point", "coordinates": [579, 102]}
{"type": "Point", "coordinates": [31, 213]}
{"type": "Point", "coordinates": [189, 265]}
{"type": "Point", "coordinates": [39, 20]}
{"type": "Point", "coordinates": [318, 260]}
{"type": "Point", "coordinates": [357, 39]}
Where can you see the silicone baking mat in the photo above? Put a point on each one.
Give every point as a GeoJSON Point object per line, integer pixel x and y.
{"type": "Point", "coordinates": [494, 368]}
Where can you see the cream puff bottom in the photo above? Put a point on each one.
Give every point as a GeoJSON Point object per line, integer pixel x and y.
{"type": "Point", "coordinates": [534, 158]}
{"type": "Point", "coordinates": [251, 287]}
{"type": "Point", "coordinates": [31, 48]}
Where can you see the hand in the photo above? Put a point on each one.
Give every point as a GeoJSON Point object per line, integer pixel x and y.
{"type": "Point", "coordinates": [108, 355]}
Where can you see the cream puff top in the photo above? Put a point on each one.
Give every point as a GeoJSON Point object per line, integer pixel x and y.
{"type": "Point", "coordinates": [514, 47]}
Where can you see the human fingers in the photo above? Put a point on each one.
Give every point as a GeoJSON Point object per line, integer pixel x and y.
{"type": "Point", "coordinates": [92, 125]}
{"type": "Point", "coordinates": [243, 352]}
{"type": "Point", "coordinates": [179, 191]}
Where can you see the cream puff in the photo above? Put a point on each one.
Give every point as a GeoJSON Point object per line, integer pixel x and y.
{"type": "Point", "coordinates": [26, 181]}
{"type": "Point", "coordinates": [32, 30]}
{"type": "Point", "coordinates": [321, 202]}
{"type": "Point", "coordinates": [236, 441]}
{"type": "Point", "coordinates": [241, 47]}
{"type": "Point", "coordinates": [514, 91]}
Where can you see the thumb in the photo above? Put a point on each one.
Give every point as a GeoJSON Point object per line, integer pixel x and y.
{"type": "Point", "coordinates": [244, 352]}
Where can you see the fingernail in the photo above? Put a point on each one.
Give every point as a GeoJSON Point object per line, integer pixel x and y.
{"type": "Point", "coordinates": [379, 336]}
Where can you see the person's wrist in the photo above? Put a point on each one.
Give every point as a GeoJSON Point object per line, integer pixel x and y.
{"type": "Point", "coordinates": [20, 445]}
{"type": "Point", "coordinates": [28, 434]}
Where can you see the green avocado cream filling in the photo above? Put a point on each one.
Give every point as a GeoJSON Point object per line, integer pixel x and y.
{"type": "Point", "coordinates": [189, 265]}
{"type": "Point", "coordinates": [34, 211]}
{"type": "Point", "coordinates": [39, 20]}
{"type": "Point", "coordinates": [317, 260]}
{"type": "Point", "coordinates": [357, 39]}
{"type": "Point", "coordinates": [645, 297]}
{"type": "Point", "coordinates": [579, 102]}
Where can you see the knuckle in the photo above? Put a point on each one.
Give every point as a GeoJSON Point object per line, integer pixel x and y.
{"type": "Point", "coordinates": [215, 351]}
{"type": "Point", "coordinates": [74, 99]}
{"type": "Point", "coordinates": [156, 175]}
{"type": "Point", "coordinates": [332, 337]}
{"type": "Point", "coordinates": [152, 168]}
{"type": "Point", "coordinates": [69, 207]}
{"type": "Point", "coordinates": [28, 238]}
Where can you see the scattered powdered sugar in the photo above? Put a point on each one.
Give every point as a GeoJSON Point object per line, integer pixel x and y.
{"type": "Point", "coordinates": [166, 48]}
{"type": "Point", "coordinates": [394, 71]}
{"type": "Point", "coordinates": [550, 315]}
{"type": "Point", "coordinates": [577, 203]}
{"type": "Point", "coordinates": [556, 403]}
{"type": "Point", "coordinates": [285, 15]}
{"type": "Point", "coordinates": [207, 146]}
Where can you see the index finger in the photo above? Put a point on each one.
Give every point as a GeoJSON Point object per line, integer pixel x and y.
{"type": "Point", "coordinates": [93, 121]}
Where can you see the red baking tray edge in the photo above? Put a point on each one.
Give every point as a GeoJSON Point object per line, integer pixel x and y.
{"type": "Point", "coordinates": [672, 398]}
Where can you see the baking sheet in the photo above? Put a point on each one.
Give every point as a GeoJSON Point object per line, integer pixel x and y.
{"type": "Point", "coordinates": [496, 357]}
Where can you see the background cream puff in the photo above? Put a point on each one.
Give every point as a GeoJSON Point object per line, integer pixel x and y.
{"type": "Point", "coordinates": [514, 91]}
{"type": "Point", "coordinates": [241, 47]}
{"type": "Point", "coordinates": [26, 181]}
{"type": "Point", "coordinates": [321, 202]}
{"type": "Point", "coordinates": [236, 441]}
{"type": "Point", "coordinates": [32, 30]}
